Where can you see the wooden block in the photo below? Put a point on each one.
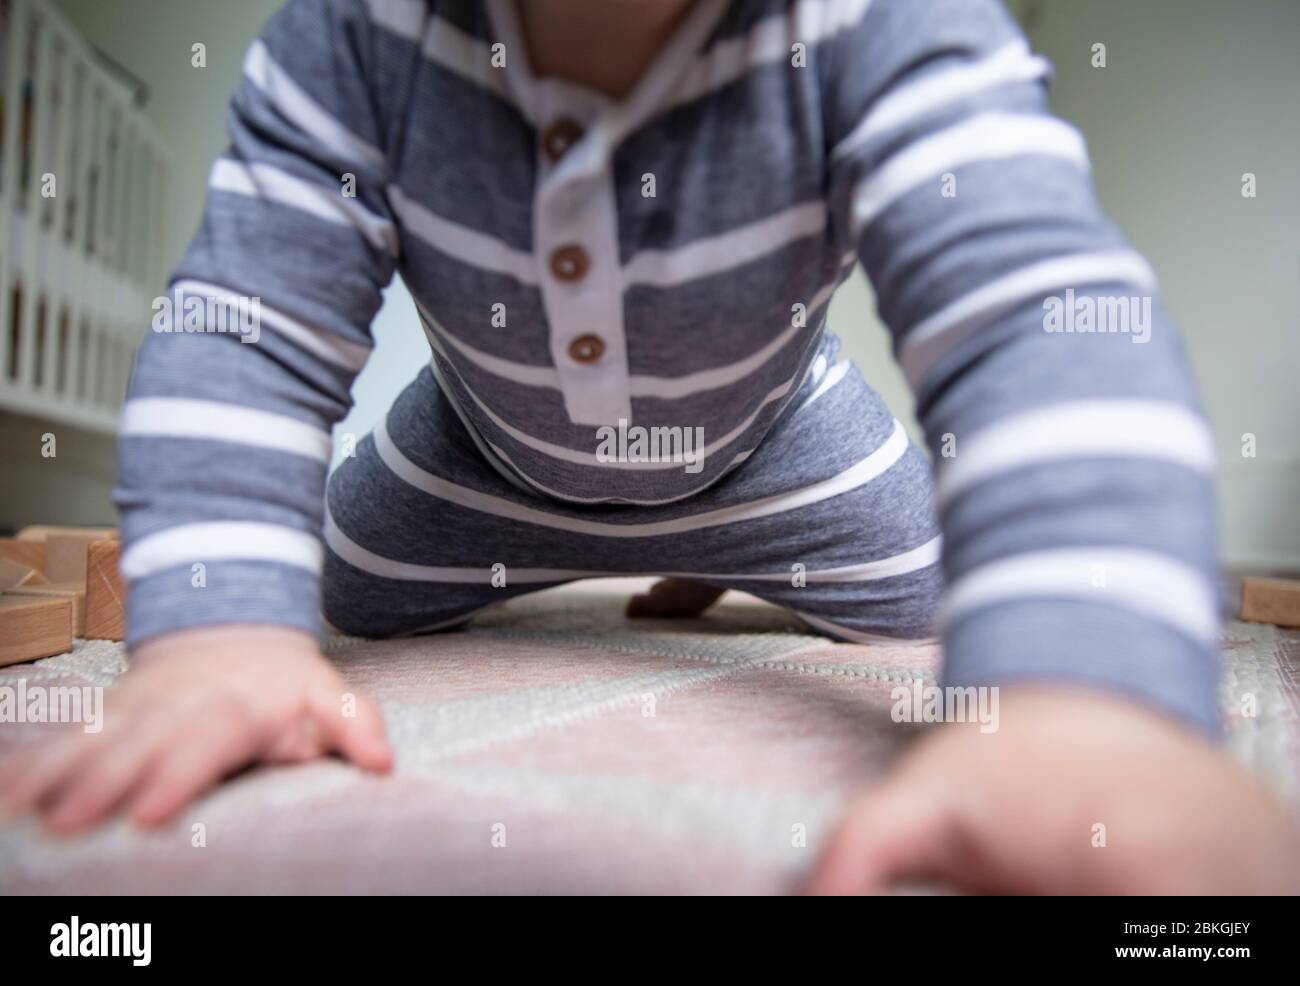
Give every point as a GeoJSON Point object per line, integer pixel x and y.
{"type": "Point", "coordinates": [75, 594]}
{"type": "Point", "coordinates": [65, 557]}
{"type": "Point", "coordinates": [105, 593]}
{"type": "Point", "coordinates": [29, 553]}
{"type": "Point", "coordinates": [13, 574]}
{"type": "Point", "coordinates": [1275, 601]}
{"type": "Point", "coordinates": [42, 532]}
{"type": "Point", "coordinates": [32, 628]}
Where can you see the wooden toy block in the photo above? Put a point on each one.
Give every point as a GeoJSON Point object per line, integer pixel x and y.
{"type": "Point", "coordinates": [74, 593]}
{"type": "Point", "coordinates": [42, 532]}
{"type": "Point", "coordinates": [13, 574]}
{"type": "Point", "coordinates": [32, 628]}
{"type": "Point", "coordinates": [105, 593]}
{"type": "Point", "coordinates": [1275, 601]}
{"type": "Point", "coordinates": [65, 556]}
{"type": "Point", "coordinates": [28, 553]}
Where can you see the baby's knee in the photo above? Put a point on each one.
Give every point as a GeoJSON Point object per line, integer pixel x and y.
{"type": "Point", "coordinates": [905, 607]}
{"type": "Point", "coordinates": [919, 600]}
{"type": "Point", "coordinates": [344, 599]}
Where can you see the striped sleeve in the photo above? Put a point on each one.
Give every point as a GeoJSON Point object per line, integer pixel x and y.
{"type": "Point", "coordinates": [1073, 464]}
{"type": "Point", "coordinates": [225, 437]}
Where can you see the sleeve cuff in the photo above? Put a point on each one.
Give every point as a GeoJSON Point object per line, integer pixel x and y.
{"type": "Point", "coordinates": [1090, 644]}
{"type": "Point", "coordinates": [223, 593]}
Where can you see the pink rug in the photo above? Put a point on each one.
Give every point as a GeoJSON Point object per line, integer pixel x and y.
{"type": "Point", "coordinates": [556, 747]}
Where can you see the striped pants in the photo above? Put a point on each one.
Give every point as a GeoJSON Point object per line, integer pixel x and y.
{"type": "Point", "coordinates": [831, 516]}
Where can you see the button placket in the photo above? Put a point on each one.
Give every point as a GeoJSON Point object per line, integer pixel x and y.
{"type": "Point", "coordinates": [575, 240]}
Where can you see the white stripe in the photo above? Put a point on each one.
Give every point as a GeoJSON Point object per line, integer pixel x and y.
{"type": "Point", "coordinates": [329, 347]}
{"type": "Point", "coordinates": [230, 540]}
{"type": "Point", "coordinates": [565, 454]}
{"type": "Point", "coordinates": [809, 22]}
{"type": "Point", "coordinates": [859, 636]}
{"type": "Point", "coordinates": [859, 474]}
{"type": "Point", "coordinates": [674, 388]}
{"type": "Point", "coordinates": [181, 417]}
{"type": "Point", "coordinates": [1011, 63]}
{"type": "Point", "coordinates": [642, 385]}
{"type": "Point", "coordinates": [493, 456]}
{"type": "Point", "coordinates": [405, 18]}
{"type": "Point", "coordinates": [913, 560]}
{"type": "Point", "coordinates": [517, 477]}
{"type": "Point", "coordinates": [453, 49]}
{"type": "Point", "coordinates": [461, 242]}
{"type": "Point", "coordinates": [580, 458]}
{"type": "Point", "coordinates": [565, 497]}
{"type": "Point", "coordinates": [1076, 429]}
{"type": "Point", "coordinates": [263, 181]}
{"type": "Point", "coordinates": [703, 380]}
{"type": "Point", "coordinates": [526, 374]}
{"type": "Point", "coordinates": [725, 251]}
{"type": "Point", "coordinates": [367, 561]}
{"type": "Point", "coordinates": [372, 563]}
{"type": "Point", "coordinates": [1140, 581]}
{"type": "Point", "coordinates": [440, 41]}
{"type": "Point", "coordinates": [768, 41]}
{"type": "Point", "coordinates": [986, 137]}
{"type": "Point", "coordinates": [833, 377]}
{"type": "Point", "coordinates": [956, 322]}
{"type": "Point", "coordinates": [310, 117]}
{"type": "Point", "coordinates": [738, 458]}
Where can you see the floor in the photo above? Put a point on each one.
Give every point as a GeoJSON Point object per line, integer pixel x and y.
{"type": "Point", "coordinates": [555, 746]}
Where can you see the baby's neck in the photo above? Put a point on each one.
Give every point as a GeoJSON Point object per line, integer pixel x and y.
{"type": "Point", "coordinates": [605, 45]}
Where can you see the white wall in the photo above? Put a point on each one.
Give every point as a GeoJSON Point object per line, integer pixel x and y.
{"type": "Point", "coordinates": [1195, 93]}
{"type": "Point", "coordinates": [400, 352]}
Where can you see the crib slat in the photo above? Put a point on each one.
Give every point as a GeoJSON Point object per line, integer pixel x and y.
{"type": "Point", "coordinates": [59, 261]}
{"type": "Point", "coordinates": [77, 287]}
{"type": "Point", "coordinates": [125, 286]}
{"type": "Point", "coordinates": [13, 85]}
{"type": "Point", "coordinates": [100, 306]}
{"type": "Point", "coordinates": [42, 80]}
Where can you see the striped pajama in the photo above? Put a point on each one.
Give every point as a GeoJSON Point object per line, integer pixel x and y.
{"type": "Point", "coordinates": [832, 517]}
{"type": "Point", "coordinates": [667, 261]}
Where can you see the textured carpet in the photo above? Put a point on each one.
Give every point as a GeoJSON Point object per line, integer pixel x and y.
{"type": "Point", "coordinates": [555, 746]}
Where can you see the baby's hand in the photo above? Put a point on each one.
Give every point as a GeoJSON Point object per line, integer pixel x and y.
{"type": "Point", "coordinates": [1076, 793]}
{"type": "Point", "coordinates": [194, 707]}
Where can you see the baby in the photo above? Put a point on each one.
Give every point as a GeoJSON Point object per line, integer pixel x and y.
{"type": "Point", "coordinates": [622, 224]}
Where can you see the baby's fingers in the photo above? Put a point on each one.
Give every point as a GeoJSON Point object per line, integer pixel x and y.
{"type": "Point", "coordinates": [896, 833]}
{"type": "Point", "coordinates": [197, 757]}
{"type": "Point", "coordinates": [352, 726]}
{"type": "Point", "coordinates": [29, 776]}
{"type": "Point", "coordinates": [103, 781]}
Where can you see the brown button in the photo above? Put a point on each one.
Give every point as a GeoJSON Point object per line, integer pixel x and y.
{"type": "Point", "coordinates": [587, 349]}
{"type": "Point", "coordinates": [559, 137]}
{"type": "Point", "coordinates": [569, 263]}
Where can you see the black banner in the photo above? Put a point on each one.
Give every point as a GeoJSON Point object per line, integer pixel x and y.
{"type": "Point", "coordinates": [934, 936]}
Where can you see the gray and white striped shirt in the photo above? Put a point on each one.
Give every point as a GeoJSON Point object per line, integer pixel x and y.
{"type": "Point", "coordinates": [667, 260]}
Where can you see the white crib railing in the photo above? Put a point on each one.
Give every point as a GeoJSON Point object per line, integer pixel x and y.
{"type": "Point", "coordinates": [82, 188]}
